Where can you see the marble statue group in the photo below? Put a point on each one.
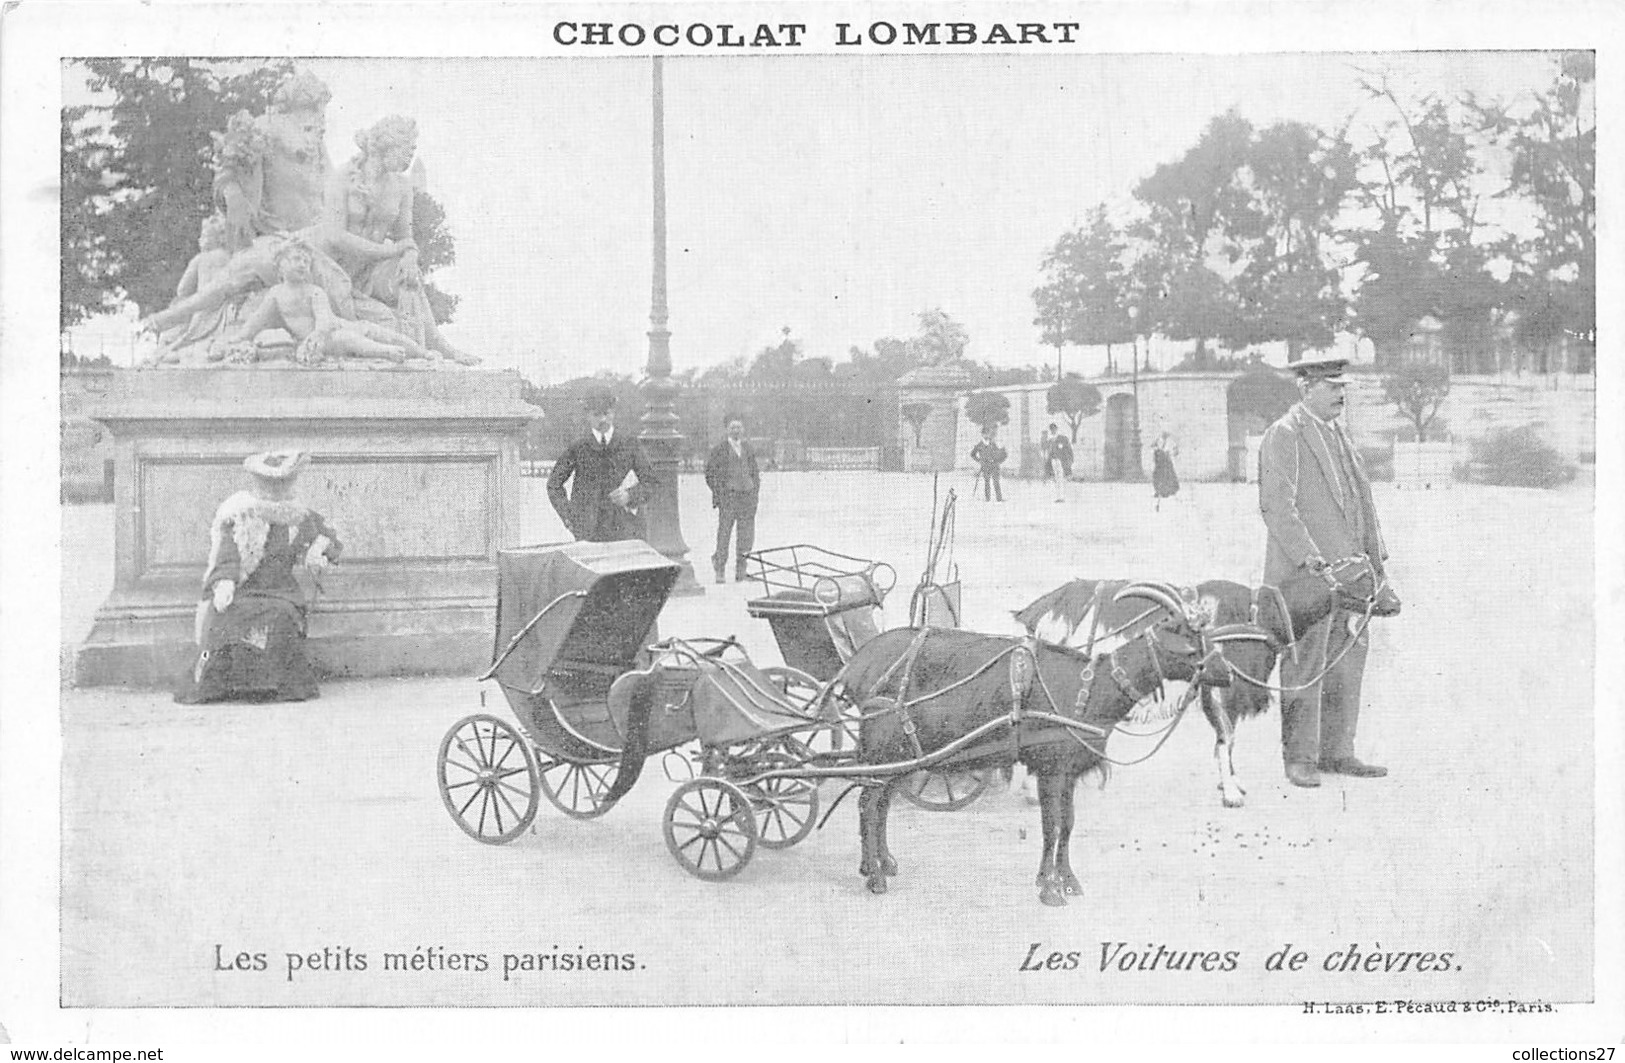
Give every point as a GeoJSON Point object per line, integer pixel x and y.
{"type": "Point", "coordinates": [303, 263]}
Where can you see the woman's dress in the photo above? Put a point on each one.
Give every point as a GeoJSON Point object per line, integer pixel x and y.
{"type": "Point", "coordinates": [255, 650]}
{"type": "Point", "coordinates": [1164, 480]}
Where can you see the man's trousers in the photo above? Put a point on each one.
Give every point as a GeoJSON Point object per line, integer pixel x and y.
{"type": "Point", "coordinates": [1318, 723]}
{"type": "Point", "coordinates": [734, 509]}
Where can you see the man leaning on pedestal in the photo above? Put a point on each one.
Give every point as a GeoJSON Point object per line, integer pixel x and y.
{"type": "Point", "coordinates": [1316, 502]}
{"type": "Point", "coordinates": [608, 478]}
{"type": "Point", "coordinates": [736, 485]}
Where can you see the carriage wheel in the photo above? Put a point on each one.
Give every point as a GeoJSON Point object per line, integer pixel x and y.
{"type": "Point", "coordinates": [938, 791]}
{"type": "Point", "coordinates": [710, 828]}
{"type": "Point", "coordinates": [488, 779]}
{"type": "Point", "coordinates": [786, 808]}
{"type": "Point", "coordinates": [578, 790]}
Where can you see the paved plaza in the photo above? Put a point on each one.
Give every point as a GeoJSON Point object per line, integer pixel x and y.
{"type": "Point", "coordinates": [191, 834]}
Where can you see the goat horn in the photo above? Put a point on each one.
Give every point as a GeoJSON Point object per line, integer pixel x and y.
{"type": "Point", "coordinates": [1161, 593]}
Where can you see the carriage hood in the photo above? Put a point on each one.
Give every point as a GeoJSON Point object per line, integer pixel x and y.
{"type": "Point", "coordinates": [607, 597]}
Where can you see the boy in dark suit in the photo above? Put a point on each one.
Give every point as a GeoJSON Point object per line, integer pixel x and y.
{"type": "Point", "coordinates": [610, 479]}
{"type": "Point", "coordinates": [736, 484]}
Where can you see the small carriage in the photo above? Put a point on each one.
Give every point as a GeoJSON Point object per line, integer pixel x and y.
{"type": "Point", "coordinates": [823, 607]}
{"type": "Point", "coordinates": [594, 694]}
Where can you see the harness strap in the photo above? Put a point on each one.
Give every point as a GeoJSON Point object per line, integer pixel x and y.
{"type": "Point", "coordinates": [1094, 619]}
{"type": "Point", "coordinates": [910, 657]}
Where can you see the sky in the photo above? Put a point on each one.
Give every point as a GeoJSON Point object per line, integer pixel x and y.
{"type": "Point", "coordinates": [836, 195]}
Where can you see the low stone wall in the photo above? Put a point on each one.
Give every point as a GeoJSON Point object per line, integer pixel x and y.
{"type": "Point", "coordinates": [1193, 407]}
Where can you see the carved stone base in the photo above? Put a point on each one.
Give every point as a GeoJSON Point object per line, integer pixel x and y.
{"type": "Point", "coordinates": [418, 472]}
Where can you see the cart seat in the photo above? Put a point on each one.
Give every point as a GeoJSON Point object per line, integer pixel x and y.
{"type": "Point", "coordinates": [827, 596]}
{"type": "Point", "coordinates": [851, 629]}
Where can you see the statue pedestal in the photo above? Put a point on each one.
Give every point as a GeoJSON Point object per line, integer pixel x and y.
{"type": "Point", "coordinates": [418, 472]}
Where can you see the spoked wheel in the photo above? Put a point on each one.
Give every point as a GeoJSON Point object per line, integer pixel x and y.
{"type": "Point", "coordinates": [710, 828]}
{"type": "Point", "coordinates": [579, 790]}
{"type": "Point", "coordinates": [786, 808]}
{"type": "Point", "coordinates": [944, 791]}
{"type": "Point", "coordinates": [488, 779]}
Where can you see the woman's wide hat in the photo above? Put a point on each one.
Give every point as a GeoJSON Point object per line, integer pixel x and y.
{"type": "Point", "coordinates": [277, 464]}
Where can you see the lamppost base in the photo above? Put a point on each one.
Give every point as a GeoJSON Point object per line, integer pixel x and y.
{"type": "Point", "coordinates": [687, 585]}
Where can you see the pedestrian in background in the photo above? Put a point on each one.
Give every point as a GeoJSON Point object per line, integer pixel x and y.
{"type": "Point", "coordinates": [1057, 450]}
{"type": "Point", "coordinates": [988, 456]}
{"type": "Point", "coordinates": [736, 484]}
{"type": "Point", "coordinates": [1164, 480]}
{"type": "Point", "coordinates": [608, 479]}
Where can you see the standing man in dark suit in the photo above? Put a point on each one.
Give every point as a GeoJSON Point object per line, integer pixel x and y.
{"type": "Point", "coordinates": [988, 456]}
{"type": "Point", "coordinates": [1316, 502]}
{"type": "Point", "coordinates": [736, 485]}
{"type": "Point", "coordinates": [611, 479]}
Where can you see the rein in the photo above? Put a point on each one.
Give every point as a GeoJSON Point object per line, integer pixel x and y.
{"type": "Point", "coordinates": [1337, 588]}
{"type": "Point", "coordinates": [1121, 678]}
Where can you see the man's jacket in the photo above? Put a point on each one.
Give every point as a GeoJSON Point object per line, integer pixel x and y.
{"type": "Point", "coordinates": [1311, 505]}
{"type": "Point", "coordinates": [596, 470]}
{"type": "Point", "coordinates": [723, 467]}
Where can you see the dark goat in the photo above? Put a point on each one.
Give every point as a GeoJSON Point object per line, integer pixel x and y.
{"type": "Point", "coordinates": [958, 700]}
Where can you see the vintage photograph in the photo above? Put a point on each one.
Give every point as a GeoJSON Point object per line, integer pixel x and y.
{"type": "Point", "coordinates": [781, 505]}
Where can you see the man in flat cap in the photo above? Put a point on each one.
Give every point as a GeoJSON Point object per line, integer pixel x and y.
{"type": "Point", "coordinates": [608, 478]}
{"type": "Point", "coordinates": [1316, 501]}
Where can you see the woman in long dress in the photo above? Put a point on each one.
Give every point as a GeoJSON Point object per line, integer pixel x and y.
{"type": "Point", "coordinates": [251, 621]}
{"type": "Point", "coordinates": [1164, 480]}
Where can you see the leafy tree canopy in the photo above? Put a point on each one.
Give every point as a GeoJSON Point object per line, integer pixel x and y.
{"type": "Point", "coordinates": [137, 177]}
{"type": "Point", "coordinates": [987, 408]}
{"type": "Point", "coordinates": [1074, 399]}
{"type": "Point", "coordinates": [1418, 389]}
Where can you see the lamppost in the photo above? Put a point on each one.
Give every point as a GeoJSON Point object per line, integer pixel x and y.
{"type": "Point", "coordinates": [661, 441]}
{"type": "Point", "coordinates": [1134, 423]}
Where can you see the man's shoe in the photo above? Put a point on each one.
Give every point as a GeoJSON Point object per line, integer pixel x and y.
{"type": "Point", "coordinates": [1353, 766]}
{"type": "Point", "coordinates": [1303, 775]}
{"type": "Point", "coordinates": [720, 575]}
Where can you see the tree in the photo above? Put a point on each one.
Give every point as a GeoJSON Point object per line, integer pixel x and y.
{"type": "Point", "coordinates": [915, 414]}
{"type": "Point", "coordinates": [1051, 300]}
{"type": "Point", "coordinates": [137, 176]}
{"type": "Point", "coordinates": [1198, 208]}
{"type": "Point", "coordinates": [775, 364]}
{"type": "Point", "coordinates": [1288, 291]}
{"type": "Point", "coordinates": [1082, 302]}
{"type": "Point", "coordinates": [987, 409]}
{"type": "Point", "coordinates": [1074, 399]}
{"type": "Point", "coordinates": [1418, 389]}
{"type": "Point", "coordinates": [941, 339]}
{"type": "Point", "coordinates": [1399, 285]}
{"type": "Point", "coordinates": [1554, 160]}
{"type": "Point", "coordinates": [436, 248]}
{"type": "Point", "coordinates": [1421, 178]}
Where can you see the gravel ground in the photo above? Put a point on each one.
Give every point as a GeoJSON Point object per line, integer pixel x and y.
{"type": "Point", "coordinates": [193, 834]}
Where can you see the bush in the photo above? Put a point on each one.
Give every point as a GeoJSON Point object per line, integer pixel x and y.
{"type": "Point", "coordinates": [1379, 462]}
{"type": "Point", "coordinates": [1437, 431]}
{"type": "Point", "coordinates": [1517, 457]}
